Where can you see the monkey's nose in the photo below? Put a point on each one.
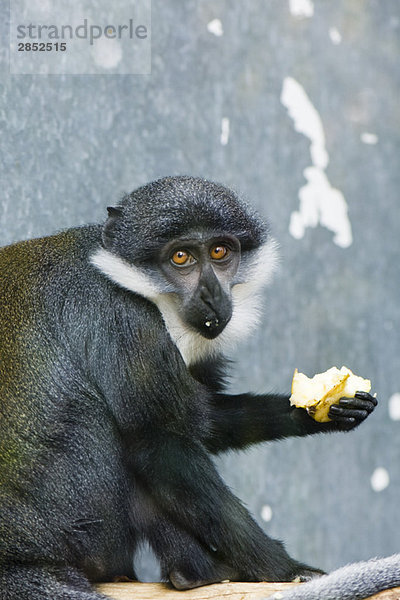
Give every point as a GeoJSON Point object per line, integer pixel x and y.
{"type": "Point", "coordinates": [209, 298]}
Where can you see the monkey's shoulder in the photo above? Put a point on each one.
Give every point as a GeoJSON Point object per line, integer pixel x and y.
{"type": "Point", "coordinates": [48, 254]}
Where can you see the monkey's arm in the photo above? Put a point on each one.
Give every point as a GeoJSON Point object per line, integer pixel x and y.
{"type": "Point", "coordinates": [238, 421]}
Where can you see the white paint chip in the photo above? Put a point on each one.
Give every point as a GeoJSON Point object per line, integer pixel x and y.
{"type": "Point", "coordinates": [266, 513]}
{"type": "Point", "coordinates": [302, 9]}
{"type": "Point", "coordinates": [369, 138]}
{"type": "Point", "coordinates": [306, 119]}
{"type": "Point", "coordinates": [320, 203]}
{"type": "Point", "coordinates": [224, 131]}
{"type": "Point", "coordinates": [394, 407]}
{"type": "Point", "coordinates": [215, 27]}
{"type": "Point", "coordinates": [380, 479]}
{"type": "Point", "coordinates": [107, 53]}
{"type": "Point", "coordinates": [335, 35]}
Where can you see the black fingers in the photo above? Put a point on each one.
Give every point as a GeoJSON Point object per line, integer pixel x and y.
{"type": "Point", "coordinates": [337, 410]}
{"type": "Point", "coordinates": [367, 397]}
{"type": "Point", "coordinates": [349, 403]}
{"type": "Point", "coordinates": [350, 412]}
{"type": "Point", "coordinates": [361, 401]}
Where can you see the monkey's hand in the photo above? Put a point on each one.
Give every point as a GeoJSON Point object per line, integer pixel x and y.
{"type": "Point", "coordinates": [350, 412]}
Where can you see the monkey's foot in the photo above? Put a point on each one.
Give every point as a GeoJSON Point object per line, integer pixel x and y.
{"type": "Point", "coordinates": [182, 581]}
{"type": "Point", "coordinates": [307, 573]}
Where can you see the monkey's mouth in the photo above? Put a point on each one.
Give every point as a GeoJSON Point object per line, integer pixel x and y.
{"type": "Point", "coordinates": [211, 327]}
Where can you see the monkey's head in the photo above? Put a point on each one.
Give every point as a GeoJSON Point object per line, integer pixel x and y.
{"type": "Point", "coordinates": [191, 247]}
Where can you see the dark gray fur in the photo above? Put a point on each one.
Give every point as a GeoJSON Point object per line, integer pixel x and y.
{"type": "Point", "coordinates": [178, 205]}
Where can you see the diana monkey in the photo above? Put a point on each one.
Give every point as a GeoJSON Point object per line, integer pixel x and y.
{"type": "Point", "coordinates": [112, 398]}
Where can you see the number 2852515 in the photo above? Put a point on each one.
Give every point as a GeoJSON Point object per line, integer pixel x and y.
{"type": "Point", "coordinates": [42, 46]}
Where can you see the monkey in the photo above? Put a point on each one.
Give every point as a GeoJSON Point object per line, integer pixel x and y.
{"type": "Point", "coordinates": [352, 582]}
{"type": "Point", "coordinates": [113, 359]}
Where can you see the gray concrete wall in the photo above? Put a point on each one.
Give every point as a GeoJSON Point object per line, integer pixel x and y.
{"type": "Point", "coordinates": [294, 89]}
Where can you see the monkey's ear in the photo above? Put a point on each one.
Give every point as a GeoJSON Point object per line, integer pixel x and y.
{"type": "Point", "coordinates": [108, 232]}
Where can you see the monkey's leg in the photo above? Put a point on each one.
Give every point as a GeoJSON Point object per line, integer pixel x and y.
{"type": "Point", "coordinates": [184, 561]}
{"type": "Point", "coordinates": [23, 582]}
{"type": "Point", "coordinates": [179, 476]}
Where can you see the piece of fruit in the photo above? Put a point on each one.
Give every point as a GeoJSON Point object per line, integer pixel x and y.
{"type": "Point", "coordinates": [317, 394]}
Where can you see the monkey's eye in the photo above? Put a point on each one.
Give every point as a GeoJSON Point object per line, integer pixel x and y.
{"type": "Point", "coordinates": [219, 252]}
{"type": "Point", "coordinates": [182, 258]}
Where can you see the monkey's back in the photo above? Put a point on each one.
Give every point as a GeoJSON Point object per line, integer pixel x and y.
{"type": "Point", "coordinates": [57, 444]}
{"type": "Point", "coordinates": [33, 275]}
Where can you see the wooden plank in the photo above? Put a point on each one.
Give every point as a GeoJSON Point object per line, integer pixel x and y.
{"type": "Point", "coordinates": [393, 594]}
{"type": "Point", "coordinates": [224, 591]}
{"type": "Point", "coordinates": [227, 591]}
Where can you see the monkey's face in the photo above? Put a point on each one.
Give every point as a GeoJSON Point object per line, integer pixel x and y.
{"type": "Point", "coordinates": [200, 270]}
{"type": "Point", "coordinates": [194, 250]}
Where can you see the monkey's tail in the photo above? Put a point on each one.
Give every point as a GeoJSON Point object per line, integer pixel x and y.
{"type": "Point", "coordinates": [352, 582]}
